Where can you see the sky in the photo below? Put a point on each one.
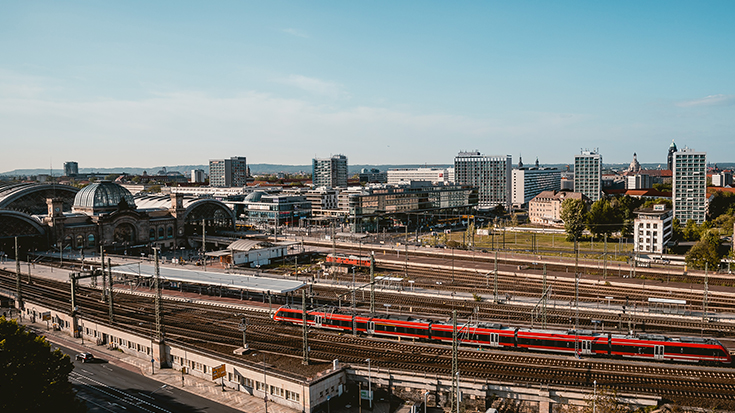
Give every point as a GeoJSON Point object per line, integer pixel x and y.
{"type": "Point", "coordinates": [149, 83]}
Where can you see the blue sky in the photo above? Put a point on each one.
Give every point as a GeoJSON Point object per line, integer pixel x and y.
{"type": "Point", "coordinates": [162, 83]}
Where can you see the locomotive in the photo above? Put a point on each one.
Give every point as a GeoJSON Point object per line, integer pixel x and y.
{"type": "Point", "coordinates": [483, 334]}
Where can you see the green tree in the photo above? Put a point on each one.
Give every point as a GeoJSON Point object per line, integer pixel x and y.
{"type": "Point", "coordinates": [574, 215]}
{"type": "Point", "coordinates": [603, 218]}
{"type": "Point", "coordinates": [722, 203]}
{"type": "Point", "coordinates": [724, 223]}
{"type": "Point", "coordinates": [677, 234]}
{"type": "Point", "coordinates": [656, 201]}
{"type": "Point", "coordinates": [154, 189]}
{"type": "Point", "coordinates": [30, 368]}
{"type": "Point", "coordinates": [110, 177]}
{"type": "Point", "coordinates": [691, 231]}
{"type": "Point", "coordinates": [705, 251]}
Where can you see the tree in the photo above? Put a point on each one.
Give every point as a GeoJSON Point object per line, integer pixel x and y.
{"type": "Point", "coordinates": [676, 232]}
{"type": "Point", "coordinates": [574, 215]}
{"type": "Point", "coordinates": [603, 218]}
{"type": "Point", "coordinates": [29, 367]}
{"type": "Point", "coordinates": [656, 201]}
{"type": "Point", "coordinates": [705, 251]}
{"type": "Point", "coordinates": [722, 203]}
{"type": "Point", "coordinates": [692, 231]}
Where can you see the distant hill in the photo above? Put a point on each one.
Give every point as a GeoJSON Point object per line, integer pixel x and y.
{"type": "Point", "coordinates": [267, 168]}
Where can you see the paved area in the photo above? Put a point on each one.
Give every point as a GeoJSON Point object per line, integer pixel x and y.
{"type": "Point", "coordinates": [204, 388]}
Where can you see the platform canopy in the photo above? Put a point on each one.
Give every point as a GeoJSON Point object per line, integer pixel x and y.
{"type": "Point", "coordinates": [235, 281]}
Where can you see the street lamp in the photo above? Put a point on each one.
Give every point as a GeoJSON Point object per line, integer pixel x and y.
{"type": "Point", "coordinates": [594, 397]}
{"type": "Point", "coordinates": [426, 394]}
{"type": "Point", "coordinates": [370, 391]}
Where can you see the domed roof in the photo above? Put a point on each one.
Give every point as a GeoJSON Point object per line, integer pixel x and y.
{"type": "Point", "coordinates": [102, 195]}
{"type": "Point", "coordinates": [254, 197]}
{"type": "Point", "coordinates": [673, 145]}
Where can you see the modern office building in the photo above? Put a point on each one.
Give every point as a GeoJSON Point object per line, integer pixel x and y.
{"type": "Point", "coordinates": [722, 178]}
{"type": "Point", "coordinates": [588, 174]}
{"type": "Point", "coordinates": [373, 176]}
{"type": "Point", "coordinates": [529, 182]}
{"type": "Point", "coordinates": [329, 172]}
{"type": "Point", "coordinates": [420, 203]}
{"type": "Point", "coordinates": [491, 175]}
{"type": "Point", "coordinates": [652, 229]}
{"type": "Point", "coordinates": [262, 209]}
{"type": "Point", "coordinates": [71, 168]}
{"type": "Point", "coordinates": [228, 173]}
{"type": "Point", "coordinates": [406, 175]}
{"type": "Point", "coordinates": [689, 185]}
{"type": "Point", "coordinates": [197, 176]}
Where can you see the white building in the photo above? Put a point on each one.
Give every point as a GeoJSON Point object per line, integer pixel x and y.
{"type": "Point", "coordinates": [723, 178]}
{"type": "Point", "coordinates": [197, 176]}
{"type": "Point", "coordinates": [529, 182]}
{"type": "Point", "coordinates": [689, 185]}
{"type": "Point", "coordinates": [652, 229]}
{"type": "Point", "coordinates": [433, 175]}
{"type": "Point", "coordinates": [491, 175]}
{"type": "Point", "coordinates": [588, 174]}
{"type": "Point", "coordinates": [639, 181]}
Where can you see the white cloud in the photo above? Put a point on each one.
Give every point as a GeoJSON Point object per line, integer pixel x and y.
{"type": "Point", "coordinates": [296, 33]}
{"type": "Point", "coordinates": [315, 86]}
{"type": "Point", "coordinates": [711, 100]}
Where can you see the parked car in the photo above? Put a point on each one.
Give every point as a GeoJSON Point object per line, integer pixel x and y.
{"type": "Point", "coordinates": [85, 357]}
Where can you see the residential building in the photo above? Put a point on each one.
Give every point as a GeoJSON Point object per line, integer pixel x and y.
{"type": "Point", "coordinates": [71, 168]}
{"type": "Point", "coordinates": [588, 174]}
{"type": "Point", "coordinates": [652, 229]}
{"type": "Point", "coordinates": [329, 172]}
{"type": "Point", "coordinates": [689, 185]}
{"type": "Point", "coordinates": [197, 176]}
{"type": "Point", "coordinates": [227, 173]}
{"type": "Point", "coordinates": [545, 208]}
{"type": "Point", "coordinates": [406, 175]}
{"type": "Point", "coordinates": [529, 182]}
{"type": "Point", "coordinates": [491, 175]}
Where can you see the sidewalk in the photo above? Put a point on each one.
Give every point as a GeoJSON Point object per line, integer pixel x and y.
{"type": "Point", "coordinates": [195, 385]}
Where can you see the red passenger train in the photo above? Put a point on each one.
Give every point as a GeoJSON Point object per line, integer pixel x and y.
{"type": "Point", "coordinates": [349, 260]}
{"type": "Point", "coordinates": [580, 342]}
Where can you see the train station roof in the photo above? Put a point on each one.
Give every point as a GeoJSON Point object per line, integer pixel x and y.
{"type": "Point", "coordinates": [235, 281]}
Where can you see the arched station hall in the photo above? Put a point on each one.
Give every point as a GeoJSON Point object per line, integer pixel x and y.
{"type": "Point", "coordinates": [47, 216]}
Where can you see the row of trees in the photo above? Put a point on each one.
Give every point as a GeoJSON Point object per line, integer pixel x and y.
{"type": "Point", "coordinates": [606, 216]}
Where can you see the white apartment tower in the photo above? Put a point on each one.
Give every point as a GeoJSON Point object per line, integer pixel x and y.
{"type": "Point", "coordinates": [329, 172]}
{"type": "Point", "coordinates": [490, 174]}
{"type": "Point", "coordinates": [689, 185]}
{"type": "Point", "coordinates": [227, 173]}
{"type": "Point", "coordinates": [588, 174]}
{"type": "Point", "coordinates": [406, 175]}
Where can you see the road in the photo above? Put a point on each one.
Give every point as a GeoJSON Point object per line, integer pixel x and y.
{"type": "Point", "coordinates": [106, 387]}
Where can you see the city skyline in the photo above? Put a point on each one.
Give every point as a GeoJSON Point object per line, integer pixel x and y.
{"type": "Point", "coordinates": [412, 83]}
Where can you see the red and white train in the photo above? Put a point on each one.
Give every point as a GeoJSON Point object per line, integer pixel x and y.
{"type": "Point", "coordinates": [581, 342]}
{"type": "Point", "coordinates": [349, 260]}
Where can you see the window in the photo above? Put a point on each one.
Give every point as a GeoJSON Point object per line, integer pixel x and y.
{"type": "Point", "coordinates": [90, 240]}
{"type": "Point", "coordinates": [152, 234]}
{"type": "Point", "coordinates": [160, 233]}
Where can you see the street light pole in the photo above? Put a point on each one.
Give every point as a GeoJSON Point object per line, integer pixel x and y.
{"type": "Point", "coordinates": [594, 397]}
{"type": "Point", "coordinates": [370, 391]}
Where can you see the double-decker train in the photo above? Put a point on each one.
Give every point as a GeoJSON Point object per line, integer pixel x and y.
{"type": "Point", "coordinates": [579, 342]}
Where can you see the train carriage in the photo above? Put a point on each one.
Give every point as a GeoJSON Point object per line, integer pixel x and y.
{"type": "Point", "coordinates": [579, 342]}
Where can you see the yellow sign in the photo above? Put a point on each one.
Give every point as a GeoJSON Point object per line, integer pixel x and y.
{"type": "Point", "coordinates": [218, 372]}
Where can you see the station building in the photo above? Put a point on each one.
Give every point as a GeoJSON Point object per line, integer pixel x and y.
{"type": "Point", "coordinates": [58, 216]}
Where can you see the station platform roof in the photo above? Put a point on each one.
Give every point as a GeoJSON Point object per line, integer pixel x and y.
{"type": "Point", "coordinates": [235, 281]}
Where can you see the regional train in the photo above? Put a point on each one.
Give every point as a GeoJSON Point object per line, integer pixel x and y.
{"type": "Point", "coordinates": [349, 260]}
{"type": "Point", "coordinates": [579, 342]}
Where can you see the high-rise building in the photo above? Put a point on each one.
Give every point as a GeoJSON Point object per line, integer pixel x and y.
{"type": "Point", "coordinates": [228, 172]}
{"type": "Point", "coordinates": [491, 175]}
{"type": "Point", "coordinates": [670, 156]}
{"type": "Point", "coordinates": [529, 182]}
{"type": "Point", "coordinates": [329, 172]}
{"type": "Point", "coordinates": [588, 174]}
{"type": "Point", "coordinates": [689, 185]}
{"type": "Point", "coordinates": [71, 168]}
